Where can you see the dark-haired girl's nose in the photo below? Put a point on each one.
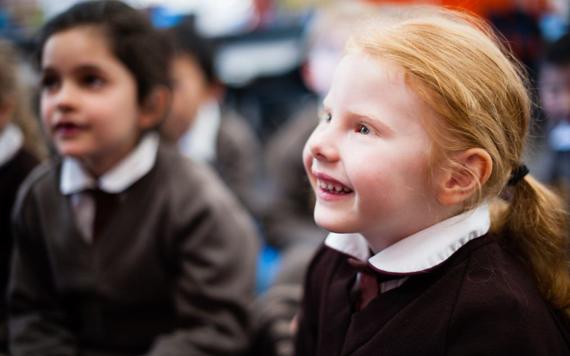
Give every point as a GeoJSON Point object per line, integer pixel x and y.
{"type": "Point", "coordinates": [65, 98]}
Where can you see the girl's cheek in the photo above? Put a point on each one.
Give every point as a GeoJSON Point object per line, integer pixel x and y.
{"type": "Point", "coordinates": [44, 111]}
{"type": "Point", "coordinates": [307, 159]}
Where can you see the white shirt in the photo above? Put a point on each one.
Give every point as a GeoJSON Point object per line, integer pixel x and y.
{"type": "Point", "coordinates": [11, 140]}
{"type": "Point", "coordinates": [199, 142]}
{"type": "Point", "coordinates": [75, 180]}
{"type": "Point", "coordinates": [419, 252]}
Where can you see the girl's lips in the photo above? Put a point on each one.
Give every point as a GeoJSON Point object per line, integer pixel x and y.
{"type": "Point", "coordinates": [67, 129]}
{"type": "Point", "coordinates": [329, 188]}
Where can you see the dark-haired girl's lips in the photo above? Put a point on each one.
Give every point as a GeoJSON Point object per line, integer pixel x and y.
{"type": "Point", "coordinates": [67, 129]}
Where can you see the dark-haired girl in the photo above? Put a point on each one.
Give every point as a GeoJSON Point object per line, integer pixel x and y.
{"type": "Point", "coordinates": [122, 247]}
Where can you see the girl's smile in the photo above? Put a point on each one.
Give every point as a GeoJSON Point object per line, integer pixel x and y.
{"type": "Point", "coordinates": [368, 159]}
{"type": "Point", "coordinates": [331, 189]}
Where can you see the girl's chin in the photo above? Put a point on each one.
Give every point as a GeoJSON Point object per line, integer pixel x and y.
{"type": "Point", "coordinates": [69, 151]}
{"type": "Point", "coordinates": [333, 225]}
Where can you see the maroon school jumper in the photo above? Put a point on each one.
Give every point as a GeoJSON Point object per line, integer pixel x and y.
{"type": "Point", "coordinates": [481, 301]}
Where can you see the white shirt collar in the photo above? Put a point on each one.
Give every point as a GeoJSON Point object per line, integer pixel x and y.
{"type": "Point", "coordinates": [421, 251]}
{"type": "Point", "coordinates": [11, 140]}
{"type": "Point", "coordinates": [199, 142]}
{"type": "Point", "coordinates": [133, 167]}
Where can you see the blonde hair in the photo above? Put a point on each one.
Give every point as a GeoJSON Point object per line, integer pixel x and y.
{"type": "Point", "coordinates": [455, 63]}
{"type": "Point", "coordinates": [13, 91]}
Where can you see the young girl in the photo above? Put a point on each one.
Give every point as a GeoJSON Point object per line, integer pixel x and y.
{"type": "Point", "coordinates": [422, 131]}
{"type": "Point", "coordinates": [20, 149]}
{"type": "Point", "coordinates": [204, 128]}
{"type": "Point", "coordinates": [122, 247]}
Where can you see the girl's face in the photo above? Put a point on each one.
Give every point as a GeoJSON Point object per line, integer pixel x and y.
{"type": "Point", "coordinates": [368, 158]}
{"type": "Point", "coordinates": [554, 90]}
{"type": "Point", "coordinates": [89, 99]}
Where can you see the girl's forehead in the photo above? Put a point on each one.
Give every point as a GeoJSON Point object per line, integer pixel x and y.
{"type": "Point", "coordinates": [389, 71]}
{"type": "Point", "coordinates": [360, 70]}
{"type": "Point", "coordinates": [77, 46]}
{"type": "Point", "coordinates": [76, 42]}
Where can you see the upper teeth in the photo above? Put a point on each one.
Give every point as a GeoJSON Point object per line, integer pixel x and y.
{"type": "Point", "coordinates": [333, 187]}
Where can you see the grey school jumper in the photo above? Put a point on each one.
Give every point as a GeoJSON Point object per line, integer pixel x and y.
{"type": "Point", "coordinates": [173, 273]}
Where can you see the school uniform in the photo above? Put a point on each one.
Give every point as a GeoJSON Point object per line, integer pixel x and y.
{"type": "Point", "coordinates": [224, 140]}
{"type": "Point", "coordinates": [171, 273]}
{"type": "Point", "coordinates": [15, 164]}
{"type": "Point", "coordinates": [451, 289]}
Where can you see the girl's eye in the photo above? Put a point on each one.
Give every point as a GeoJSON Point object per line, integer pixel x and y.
{"type": "Point", "coordinates": [363, 129]}
{"type": "Point", "coordinates": [49, 82]}
{"type": "Point", "coordinates": [92, 81]}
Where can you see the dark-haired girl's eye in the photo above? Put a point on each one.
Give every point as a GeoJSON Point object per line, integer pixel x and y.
{"type": "Point", "coordinates": [92, 81]}
{"type": "Point", "coordinates": [49, 82]}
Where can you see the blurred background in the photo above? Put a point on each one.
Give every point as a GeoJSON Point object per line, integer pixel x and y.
{"type": "Point", "coordinates": [260, 43]}
{"type": "Point", "coordinates": [261, 58]}
{"type": "Point", "coordinates": [274, 60]}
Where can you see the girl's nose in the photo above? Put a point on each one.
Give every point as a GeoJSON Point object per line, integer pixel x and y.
{"type": "Point", "coordinates": [322, 146]}
{"type": "Point", "coordinates": [65, 98]}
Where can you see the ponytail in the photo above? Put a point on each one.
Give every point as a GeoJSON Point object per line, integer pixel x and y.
{"type": "Point", "coordinates": [535, 224]}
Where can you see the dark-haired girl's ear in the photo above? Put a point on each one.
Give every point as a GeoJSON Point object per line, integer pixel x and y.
{"type": "Point", "coordinates": [470, 172]}
{"type": "Point", "coordinates": [155, 108]}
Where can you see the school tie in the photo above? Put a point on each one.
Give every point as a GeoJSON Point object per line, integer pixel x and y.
{"type": "Point", "coordinates": [368, 285]}
{"type": "Point", "coordinates": [104, 208]}
{"type": "Point", "coordinates": [369, 282]}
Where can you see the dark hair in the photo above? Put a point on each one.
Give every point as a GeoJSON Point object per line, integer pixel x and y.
{"type": "Point", "coordinates": [558, 53]}
{"type": "Point", "coordinates": [187, 40]}
{"type": "Point", "coordinates": [131, 36]}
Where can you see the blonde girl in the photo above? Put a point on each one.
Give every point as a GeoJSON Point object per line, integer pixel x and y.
{"type": "Point", "coordinates": [441, 243]}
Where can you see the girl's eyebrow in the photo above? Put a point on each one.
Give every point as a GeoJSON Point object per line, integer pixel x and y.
{"type": "Point", "coordinates": [48, 69]}
{"type": "Point", "coordinates": [369, 117]}
{"type": "Point", "coordinates": [373, 120]}
{"type": "Point", "coordinates": [88, 67]}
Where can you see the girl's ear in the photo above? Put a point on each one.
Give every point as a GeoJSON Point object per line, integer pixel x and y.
{"type": "Point", "coordinates": [459, 182]}
{"type": "Point", "coordinates": [155, 108]}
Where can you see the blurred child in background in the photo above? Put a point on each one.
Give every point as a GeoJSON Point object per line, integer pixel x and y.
{"type": "Point", "coordinates": [199, 122]}
{"type": "Point", "coordinates": [122, 246]}
{"type": "Point", "coordinates": [554, 90]}
{"type": "Point", "coordinates": [21, 147]}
